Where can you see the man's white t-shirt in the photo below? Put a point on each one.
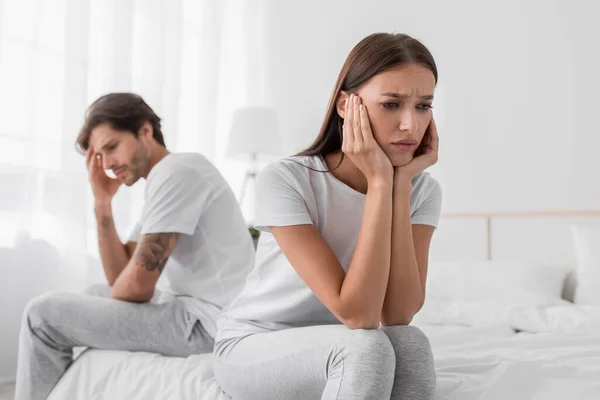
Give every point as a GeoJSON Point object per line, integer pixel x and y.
{"type": "Point", "coordinates": [186, 194]}
{"type": "Point", "coordinates": [291, 192]}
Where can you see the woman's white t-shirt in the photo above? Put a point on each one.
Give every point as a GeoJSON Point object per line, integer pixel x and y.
{"type": "Point", "coordinates": [291, 192]}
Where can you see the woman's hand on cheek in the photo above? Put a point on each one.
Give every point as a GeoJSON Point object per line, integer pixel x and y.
{"type": "Point", "coordinates": [360, 145]}
{"type": "Point", "coordinates": [421, 163]}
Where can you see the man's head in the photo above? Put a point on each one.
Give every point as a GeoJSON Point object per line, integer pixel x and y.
{"type": "Point", "coordinates": [124, 132]}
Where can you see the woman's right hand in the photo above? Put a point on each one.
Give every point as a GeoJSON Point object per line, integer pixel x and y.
{"type": "Point", "coordinates": [360, 146]}
{"type": "Point", "coordinates": [103, 187]}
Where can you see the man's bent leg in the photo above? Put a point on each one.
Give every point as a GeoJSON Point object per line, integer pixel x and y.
{"type": "Point", "coordinates": [56, 322]}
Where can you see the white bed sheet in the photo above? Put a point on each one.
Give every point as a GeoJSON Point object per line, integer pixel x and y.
{"type": "Point", "coordinates": [478, 355]}
{"type": "Point", "coordinates": [558, 358]}
{"type": "Point", "coordinates": [121, 375]}
{"type": "Point", "coordinates": [541, 366]}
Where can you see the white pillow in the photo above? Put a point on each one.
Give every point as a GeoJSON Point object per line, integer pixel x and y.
{"type": "Point", "coordinates": [586, 240]}
{"type": "Point", "coordinates": [508, 282]}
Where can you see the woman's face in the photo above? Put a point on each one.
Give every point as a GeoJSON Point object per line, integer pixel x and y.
{"type": "Point", "coordinates": [398, 102]}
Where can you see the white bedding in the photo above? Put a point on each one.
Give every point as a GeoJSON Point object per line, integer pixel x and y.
{"type": "Point", "coordinates": [121, 375]}
{"type": "Point", "coordinates": [478, 356]}
{"type": "Point", "coordinates": [526, 366]}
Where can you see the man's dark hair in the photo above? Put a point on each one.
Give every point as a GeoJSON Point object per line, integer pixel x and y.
{"type": "Point", "coordinates": [124, 112]}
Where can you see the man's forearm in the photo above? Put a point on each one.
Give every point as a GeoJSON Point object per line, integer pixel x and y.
{"type": "Point", "coordinates": [112, 251]}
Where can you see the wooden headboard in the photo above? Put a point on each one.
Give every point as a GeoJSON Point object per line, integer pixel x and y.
{"type": "Point", "coordinates": [543, 236]}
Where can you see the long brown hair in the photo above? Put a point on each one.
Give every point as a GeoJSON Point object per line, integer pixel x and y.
{"type": "Point", "coordinates": [373, 55]}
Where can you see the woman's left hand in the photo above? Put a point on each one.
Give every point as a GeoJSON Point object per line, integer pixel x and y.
{"type": "Point", "coordinates": [427, 159]}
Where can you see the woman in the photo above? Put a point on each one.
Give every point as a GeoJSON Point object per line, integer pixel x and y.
{"type": "Point", "coordinates": [342, 261]}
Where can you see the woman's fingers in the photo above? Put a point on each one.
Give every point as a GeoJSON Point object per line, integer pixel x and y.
{"type": "Point", "coordinates": [347, 133]}
{"type": "Point", "coordinates": [365, 125]}
{"type": "Point", "coordinates": [350, 119]}
{"type": "Point", "coordinates": [357, 134]}
{"type": "Point", "coordinates": [434, 139]}
{"type": "Point", "coordinates": [356, 125]}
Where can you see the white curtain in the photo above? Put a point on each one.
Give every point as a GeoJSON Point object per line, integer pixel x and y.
{"type": "Point", "coordinates": [193, 61]}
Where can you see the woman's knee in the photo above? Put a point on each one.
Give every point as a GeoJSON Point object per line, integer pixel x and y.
{"type": "Point", "coordinates": [414, 358]}
{"type": "Point", "coordinates": [367, 341]}
{"type": "Point", "coordinates": [408, 339]}
{"type": "Point", "coordinates": [372, 349]}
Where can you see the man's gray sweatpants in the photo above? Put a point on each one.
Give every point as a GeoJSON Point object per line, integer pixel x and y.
{"type": "Point", "coordinates": [54, 323]}
{"type": "Point", "coordinates": [329, 363]}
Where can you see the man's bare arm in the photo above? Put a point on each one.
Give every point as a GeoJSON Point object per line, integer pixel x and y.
{"type": "Point", "coordinates": [113, 253]}
{"type": "Point", "coordinates": [137, 281]}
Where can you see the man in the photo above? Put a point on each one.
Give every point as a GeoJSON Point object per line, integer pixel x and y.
{"type": "Point", "coordinates": [192, 235]}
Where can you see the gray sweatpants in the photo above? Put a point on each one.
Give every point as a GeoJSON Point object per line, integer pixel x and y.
{"type": "Point", "coordinates": [54, 323]}
{"type": "Point", "coordinates": [327, 362]}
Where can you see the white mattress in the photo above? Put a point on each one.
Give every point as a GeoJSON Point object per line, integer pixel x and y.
{"type": "Point", "coordinates": [559, 359]}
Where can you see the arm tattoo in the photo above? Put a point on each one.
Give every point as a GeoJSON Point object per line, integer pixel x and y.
{"type": "Point", "coordinates": [154, 250]}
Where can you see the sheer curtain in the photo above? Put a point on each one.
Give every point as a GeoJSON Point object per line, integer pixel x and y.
{"type": "Point", "coordinates": [193, 62]}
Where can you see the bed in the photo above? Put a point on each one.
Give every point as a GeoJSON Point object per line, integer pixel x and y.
{"type": "Point", "coordinates": [529, 342]}
{"type": "Point", "coordinates": [472, 362]}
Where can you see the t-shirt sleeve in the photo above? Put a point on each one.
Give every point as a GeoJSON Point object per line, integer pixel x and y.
{"type": "Point", "coordinates": [429, 210]}
{"type": "Point", "coordinates": [278, 199]}
{"type": "Point", "coordinates": [175, 198]}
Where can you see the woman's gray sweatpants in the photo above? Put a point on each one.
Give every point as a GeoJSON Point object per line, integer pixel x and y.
{"type": "Point", "coordinates": [54, 323]}
{"type": "Point", "coordinates": [327, 362]}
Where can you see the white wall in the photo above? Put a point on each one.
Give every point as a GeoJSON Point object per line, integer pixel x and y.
{"type": "Point", "coordinates": [516, 97]}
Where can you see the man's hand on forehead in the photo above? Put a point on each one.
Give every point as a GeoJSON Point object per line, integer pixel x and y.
{"type": "Point", "coordinates": [91, 157]}
{"type": "Point", "coordinates": [97, 156]}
